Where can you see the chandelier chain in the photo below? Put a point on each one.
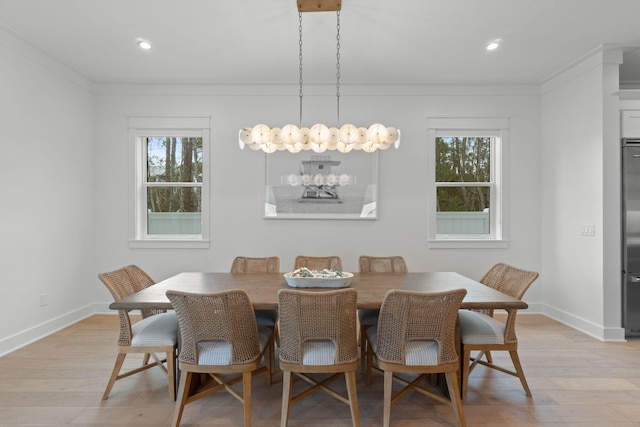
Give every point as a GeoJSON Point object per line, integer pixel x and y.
{"type": "Point", "coordinates": [300, 63]}
{"type": "Point", "coordinates": [338, 66]}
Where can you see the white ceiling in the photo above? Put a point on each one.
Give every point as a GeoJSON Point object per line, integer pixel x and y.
{"type": "Point", "coordinates": [382, 41]}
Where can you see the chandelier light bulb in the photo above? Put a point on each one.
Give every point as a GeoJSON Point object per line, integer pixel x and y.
{"type": "Point", "coordinates": [319, 138]}
{"type": "Point", "coordinates": [290, 134]}
{"type": "Point", "coordinates": [261, 134]}
{"type": "Point", "coordinates": [344, 148]}
{"type": "Point", "coordinates": [319, 134]}
{"type": "Point", "coordinates": [294, 148]}
{"type": "Point", "coordinates": [244, 137]}
{"type": "Point", "coordinates": [275, 136]}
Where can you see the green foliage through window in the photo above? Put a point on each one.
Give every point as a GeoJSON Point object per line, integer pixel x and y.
{"type": "Point", "coordinates": [462, 165]}
{"type": "Point", "coordinates": [174, 185]}
{"type": "Point", "coordinates": [174, 162]}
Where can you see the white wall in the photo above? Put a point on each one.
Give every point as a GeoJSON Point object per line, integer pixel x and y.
{"type": "Point", "coordinates": [66, 175]}
{"type": "Point", "coordinates": [237, 177]}
{"type": "Point", "coordinates": [580, 172]}
{"type": "Point", "coordinates": [46, 183]}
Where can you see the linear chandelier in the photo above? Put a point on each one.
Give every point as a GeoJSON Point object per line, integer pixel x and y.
{"type": "Point", "coordinates": [319, 137]}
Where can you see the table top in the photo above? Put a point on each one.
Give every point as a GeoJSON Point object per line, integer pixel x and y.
{"type": "Point", "coordinates": [263, 289]}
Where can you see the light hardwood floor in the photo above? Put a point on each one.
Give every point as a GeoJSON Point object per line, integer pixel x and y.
{"type": "Point", "coordinates": [575, 380]}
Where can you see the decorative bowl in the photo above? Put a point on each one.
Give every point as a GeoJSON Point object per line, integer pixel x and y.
{"type": "Point", "coordinates": [319, 282]}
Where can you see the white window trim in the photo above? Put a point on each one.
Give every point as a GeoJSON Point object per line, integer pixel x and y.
{"type": "Point", "coordinates": [476, 126]}
{"type": "Point", "coordinates": [145, 126]}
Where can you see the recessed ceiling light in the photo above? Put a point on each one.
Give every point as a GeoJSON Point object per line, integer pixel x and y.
{"type": "Point", "coordinates": [494, 44]}
{"type": "Point", "coordinates": [143, 44]}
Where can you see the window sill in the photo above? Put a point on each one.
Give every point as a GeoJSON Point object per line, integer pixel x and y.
{"type": "Point", "coordinates": [467, 244]}
{"type": "Point", "coordinates": [169, 244]}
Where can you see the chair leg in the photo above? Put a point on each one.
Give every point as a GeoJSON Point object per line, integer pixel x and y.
{"type": "Point", "coordinates": [364, 344]}
{"type": "Point", "coordinates": [276, 332]}
{"type": "Point", "coordinates": [246, 397]}
{"type": "Point", "coordinates": [286, 398]}
{"type": "Point", "coordinates": [269, 354]}
{"type": "Point", "coordinates": [171, 373]}
{"type": "Point", "coordinates": [388, 384]}
{"type": "Point", "coordinates": [114, 374]}
{"type": "Point", "coordinates": [516, 363]}
{"type": "Point", "coordinates": [466, 355]}
{"type": "Point", "coordinates": [487, 354]}
{"type": "Point", "coordinates": [350, 379]}
{"type": "Point", "coordinates": [454, 395]}
{"type": "Point", "coordinates": [369, 359]}
{"type": "Point", "coordinates": [185, 385]}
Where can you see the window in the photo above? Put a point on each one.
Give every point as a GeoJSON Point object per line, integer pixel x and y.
{"type": "Point", "coordinates": [170, 194]}
{"type": "Point", "coordinates": [467, 205]}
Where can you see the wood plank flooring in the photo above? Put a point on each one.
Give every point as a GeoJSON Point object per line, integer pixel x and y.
{"type": "Point", "coordinates": [575, 380]}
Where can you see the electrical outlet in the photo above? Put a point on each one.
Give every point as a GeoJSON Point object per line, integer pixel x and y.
{"type": "Point", "coordinates": [44, 299]}
{"type": "Point", "coordinates": [587, 230]}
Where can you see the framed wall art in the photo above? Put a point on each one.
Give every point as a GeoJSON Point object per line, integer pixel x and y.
{"type": "Point", "coordinates": [328, 185]}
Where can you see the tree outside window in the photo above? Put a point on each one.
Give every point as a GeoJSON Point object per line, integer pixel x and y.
{"type": "Point", "coordinates": [463, 184]}
{"type": "Point", "coordinates": [174, 185]}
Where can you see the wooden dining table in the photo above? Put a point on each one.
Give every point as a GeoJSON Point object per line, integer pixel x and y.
{"type": "Point", "coordinates": [263, 289]}
{"type": "Point", "coordinates": [372, 287]}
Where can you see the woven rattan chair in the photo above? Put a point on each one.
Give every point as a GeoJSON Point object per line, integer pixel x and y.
{"type": "Point", "coordinates": [368, 318]}
{"type": "Point", "coordinates": [318, 335]}
{"type": "Point", "coordinates": [318, 262]}
{"type": "Point", "coordinates": [480, 331]}
{"type": "Point", "coordinates": [157, 332]}
{"type": "Point", "coordinates": [416, 334]}
{"type": "Point", "coordinates": [219, 336]}
{"type": "Point", "coordinates": [246, 265]}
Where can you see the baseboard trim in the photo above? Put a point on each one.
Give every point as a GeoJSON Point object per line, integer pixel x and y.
{"type": "Point", "coordinates": [37, 332]}
{"type": "Point", "coordinates": [585, 326]}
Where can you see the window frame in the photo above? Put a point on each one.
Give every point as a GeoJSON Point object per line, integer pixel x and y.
{"type": "Point", "coordinates": [141, 128]}
{"type": "Point", "coordinates": [498, 130]}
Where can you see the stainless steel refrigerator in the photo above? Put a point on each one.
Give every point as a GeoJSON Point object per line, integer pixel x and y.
{"type": "Point", "coordinates": [631, 237]}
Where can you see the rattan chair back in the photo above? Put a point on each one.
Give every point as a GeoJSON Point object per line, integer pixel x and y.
{"type": "Point", "coordinates": [225, 316]}
{"type": "Point", "coordinates": [307, 316]}
{"type": "Point", "coordinates": [386, 264]}
{"type": "Point", "coordinates": [318, 263]}
{"type": "Point", "coordinates": [247, 265]}
{"type": "Point", "coordinates": [126, 281]}
{"type": "Point", "coordinates": [369, 317]}
{"type": "Point", "coordinates": [407, 316]}
{"type": "Point", "coordinates": [508, 280]}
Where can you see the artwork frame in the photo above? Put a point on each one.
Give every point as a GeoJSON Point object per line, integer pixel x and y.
{"type": "Point", "coordinates": [347, 187]}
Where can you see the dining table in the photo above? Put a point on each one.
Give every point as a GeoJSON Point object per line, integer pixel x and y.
{"type": "Point", "coordinates": [263, 288]}
{"type": "Point", "coordinates": [372, 287]}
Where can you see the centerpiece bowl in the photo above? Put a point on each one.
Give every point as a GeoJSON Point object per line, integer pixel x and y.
{"type": "Point", "coordinates": [341, 279]}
